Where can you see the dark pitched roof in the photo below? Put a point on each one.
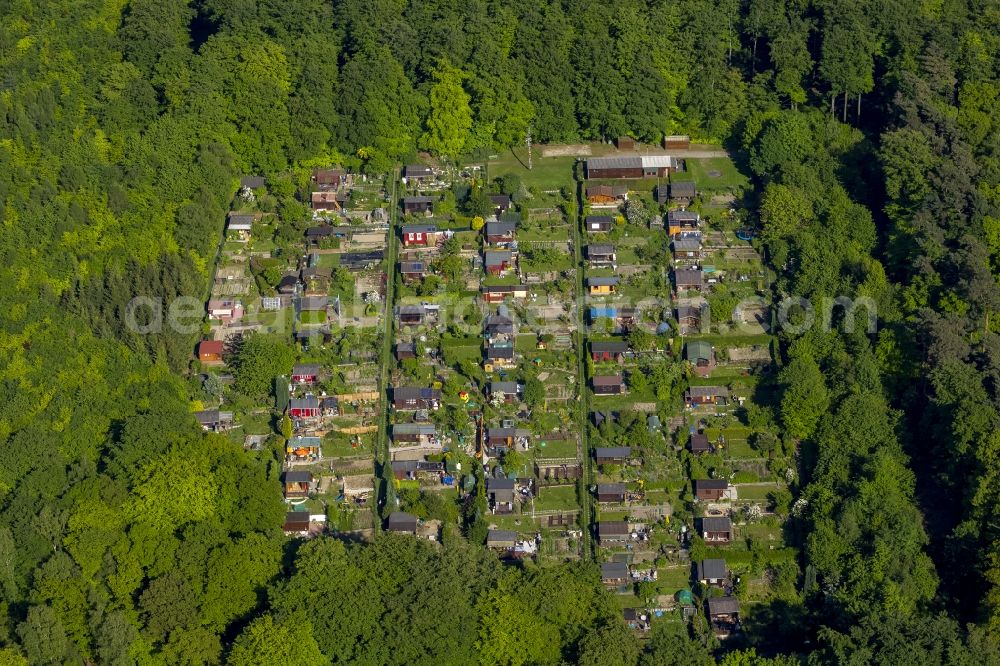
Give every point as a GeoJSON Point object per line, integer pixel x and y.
{"type": "Point", "coordinates": [613, 451]}
{"type": "Point", "coordinates": [607, 190]}
{"type": "Point", "coordinates": [502, 536]}
{"type": "Point", "coordinates": [298, 477]}
{"type": "Point", "coordinates": [710, 484]}
{"type": "Point", "coordinates": [597, 249]}
{"type": "Point", "coordinates": [708, 391]}
{"type": "Point", "coordinates": [306, 369]}
{"type": "Point", "coordinates": [415, 393]}
{"type": "Point", "coordinates": [683, 189]}
{"type": "Point", "coordinates": [253, 182]}
{"type": "Point", "coordinates": [723, 605]}
{"type": "Point", "coordinates": [697, 349]}
{"type": "Point", "coordinates": [308, 402]}
{"type": "Point", "coordinates": [499, 352]}
{"type": "Point", "coordinates": [612, 528]}
{"type": "Point", "coordinates": [314, 303]}
{"type": "Point", "coordinates": [713, 569]}
{"type": "Point", "coordinates": [608, 488]}
{"type": "Point", "coordinates": [419, 228]}
{"type": "Point", "coordinates": [614, 570]}
{"type": "Point", "coordinates": [716, 524]}
{"type": "Point", "coordinates": [507, 388]}
{"type": "Point", "coordinates": [602, 281]}
{"type": "Point", "coordinates": [699, 442]}
{"type": "Point", "coordinates": [610, 346]}
{"type": "Point", "coordinates": [600, 219]}
{"type": "Point", "coordinates": [418, 200]}
{"type": "Point", "coordinates": [412, 267]}
{"type": "Point", "coordinates": [499, 484]}
{"type": "Point", "coordinates": [320, 232]}
{"type": "Point", "coordinates": [683, 216]}
{"type": "Point", "coordinates": [500, 228]}
{"type": "Point", "coordinates": [607, 380]}
{"type": "Point", "coordinates": [400, 521]}
{"type": "Point", "coordinates": [498, 257]}
{"type": "Point", "coordinates": [296, 521]}
{"type": "Point", "coordinates": [417, 171]}
{"type": "Point", "coordinates": [686, 276]}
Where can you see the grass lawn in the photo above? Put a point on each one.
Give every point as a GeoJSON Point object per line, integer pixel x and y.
{"type": "Point", "coordinates": [545, 233]}
{"type": "Point", "coordinates": [345, 446]}
{"type": "Point", "coordinates": [329, 260]}
{"type": "Point", "coordinates": [739, 448]}
{"type": "Point", "coordinates": [547, 173]}
{"type": "Point", "coordinates": [556, 498]}
{"type": "Point", "coordinates": [557, 448]}
{"type": "Point", "coordinates": [733, 340]}
{"type": "Point", "coordinates": [757, 493]}
{"type": "Point", "coordinates": [497, 280]}
{"type": "Point", "coordinates": [456, 350]}
{"type": "Point", "coordinates": [715, 174]}
{"type": "Point", "coordinates": [312, 316]}
{"type": "Point", "coordinates": [672, 579]}
{"type": "Point", "coordinates": [766, 533]}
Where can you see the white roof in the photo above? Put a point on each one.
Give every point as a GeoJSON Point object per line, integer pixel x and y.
{"type": "Point", "coordinates": [657, 161]}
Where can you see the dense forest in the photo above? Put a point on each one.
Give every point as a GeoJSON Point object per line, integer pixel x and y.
{"type": "Point", "coordinates": [127, 535]}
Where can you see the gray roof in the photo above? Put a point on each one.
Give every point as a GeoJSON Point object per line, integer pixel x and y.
{"type": "Point", "coordinates": [610, 346]}
{"type": "Point", "coordinates": [608, 488]}
{"type": "Point", "coordinates": [306, 369]}
{"type": "Point", "coordinates": [417, 170]}
{"type": "Point", "coordinates": [418, 200]}
{"type": "Point", "coordinates": [600, 248]}
{"type": "Point", "coordinates": [411, 309]}
{"type": "Point", "coordinates": [425, 429]}
{"type": "Point", "coordinates": [212, 416]}
{"type": "Point", "coordinates": [612, 527]}
{"type": "Point", "coordinates": [500, 228]}
{"type": "Point", "coordinates": [614, 570]}
{"type": "Point", "coordinates": [712, 569]}
{"type": "Point", "coordinates": [683, 216]}
{"type": "Point", "coordinates": [499, 352]}
{"type": "Point", "coordinates": [308, 402]}
{"type": "Point", "coordinates": [298, 477]}
{"type": "Point", "coordinates": [613, 451]}
{"type": "Point", "coordinates": [309, 303]}
{"type": "Point", "coordinates": [607, 190]}
{"type": "Point", "coordinates": [499, 484]}
{"type": "Point", "coordinates": [723, 605]}
{"type": "Point", "coordinates": [686, 245]}
{"type": "Point", "coordinates": [602, 281]}
{"type": "Point", "coordinates": [419, 228]}
{"type": "Point", "coordinates": [711, 484]}
{"type": "Point", "coordinates": [320, 232]}
{"type": "Point", "coordinates": [688, 277]}
{"type": "Point", "coordinates": [708, 391]}
{"type": "Point", "coordinates": [501, 536]}
{"type": "Point", "coordinates": [253, 182]}
{"type": "Point", "coordinates": [497, 257]}
{"type": "Point", "coordinates": [631, 162]}
{"type": "Point", "coordinates": [401, 521]}
{"type": "Point", "coordinates": [716, 525]}
{"type": "Point", "coordinates": [508, 388]}
{"type": "Point", "coordinates": [603, 219]}
{"type": "Point", "coordinates": [415, 393]}
{"type": "Point", "coordinates": [699, 442]}
{"type": "Point", "coordinates": [683, 189]}
{"type": "Point", "coordinates": [412, 267]}
{"type": "Point", "coordinates": [607, 380]}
